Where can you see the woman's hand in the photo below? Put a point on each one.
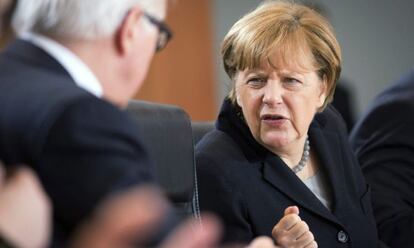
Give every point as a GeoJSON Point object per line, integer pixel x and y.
{"type": "Point", "coordinates": [293, 232]}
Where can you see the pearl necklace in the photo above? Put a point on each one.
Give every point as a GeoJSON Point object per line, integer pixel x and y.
{"type": "Point", "coordinates": [305, 157]}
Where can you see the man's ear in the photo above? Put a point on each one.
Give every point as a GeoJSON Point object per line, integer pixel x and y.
{"type": "Point", "coordinates": [128, 30]}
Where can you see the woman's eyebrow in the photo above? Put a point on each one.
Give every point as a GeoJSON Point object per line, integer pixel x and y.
{"type": "Point", "coordinates": [257, 71]}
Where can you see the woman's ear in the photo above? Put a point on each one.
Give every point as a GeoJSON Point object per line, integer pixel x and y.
{"type": "Point", "coordinates": [128, 31]}
{"type": "Point", "coordinates": [234, 92]}
{"type": "Point", "coordinates": [323, 92]}
{"type": "Point", "coordinates": [238, 100]}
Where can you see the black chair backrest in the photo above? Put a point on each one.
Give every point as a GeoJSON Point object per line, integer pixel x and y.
{"type": "Point", "coordinates": [200, 129]}
{"type": "Point", "coordinates": [166, 133]}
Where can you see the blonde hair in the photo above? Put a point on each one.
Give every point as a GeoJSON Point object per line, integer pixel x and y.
{"type": "Point", "coordinates": [294, 32]}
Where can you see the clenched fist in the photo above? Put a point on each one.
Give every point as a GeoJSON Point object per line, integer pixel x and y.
{"type": "Point", "coordinates": [293, 232]}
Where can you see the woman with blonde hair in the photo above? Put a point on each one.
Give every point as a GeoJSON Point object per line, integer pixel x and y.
{"type": "Point", "coordinates": [278, 162]}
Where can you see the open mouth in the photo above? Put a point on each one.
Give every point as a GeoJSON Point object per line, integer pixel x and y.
{"type": "Point", "coordinates": [270, 117]}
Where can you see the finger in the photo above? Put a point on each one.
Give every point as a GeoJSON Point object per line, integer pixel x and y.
{"type": "Point", "coordinates": [306, 239]}
{"type": "Point", "coordinates": [281, 230]}
{"type": "Point", "coordinates": [291, 210]}
{"type": "Point", "coordinates": [288, 221]}
{"type": "Point", "coordinates": [298, 230]}
{"type": "Point", "coordinates": [313, 244]}
{"type": "Point", "coordinates": [261, 242]}
{"type": "Point", "coordinates": [193, 235]}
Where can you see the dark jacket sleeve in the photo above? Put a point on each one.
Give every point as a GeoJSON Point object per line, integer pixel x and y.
{"type": "Point", "coordinates": [91, 151]}
{"type": "Point", "coordinates": [219, 195]}
{"type": "Point", "coordinates": [385, 148]}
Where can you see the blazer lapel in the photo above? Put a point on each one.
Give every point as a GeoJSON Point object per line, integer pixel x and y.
{"type": "Point", "coordinates": [328, 148]}
{"type": "Point", "coordinates": [277, 174]}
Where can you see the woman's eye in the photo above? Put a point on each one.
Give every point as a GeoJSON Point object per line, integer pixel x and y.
{"type": "Point", "coordinates": [291, 80]}
{"type": "Point", "coordinates": [257, 81]}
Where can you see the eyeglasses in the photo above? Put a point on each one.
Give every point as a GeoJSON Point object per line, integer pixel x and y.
{"type": "Point", "coordinates": [164, 32]}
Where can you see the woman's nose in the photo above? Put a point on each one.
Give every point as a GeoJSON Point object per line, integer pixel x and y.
{"type": "Point", "coordinates": [272, 94]}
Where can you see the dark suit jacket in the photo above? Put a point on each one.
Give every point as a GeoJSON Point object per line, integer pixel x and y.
{"type": "Point", "coordinates": [384, 143]}
{"type": "Point", "coordinates": [250, 187]}
{"type": "Point", "coordinates": [83, 148]}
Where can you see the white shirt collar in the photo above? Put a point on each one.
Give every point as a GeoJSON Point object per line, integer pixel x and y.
{"type": "Point", "coordinates": [76, 68]}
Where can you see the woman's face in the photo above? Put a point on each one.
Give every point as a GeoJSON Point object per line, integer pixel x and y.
{"type": "Point", "coordinates": [279, 103]}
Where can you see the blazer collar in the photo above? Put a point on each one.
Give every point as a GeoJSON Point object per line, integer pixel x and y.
{"type": "Point", "coordinates": [34, 55]}
{"type": "Point", "coordinates": [326, 144]}
{"type": "Point", "coordinates": [283, 179]}
{"type": "Point", "coordinates": [230, 121]}
{"type": "Point", "coordinates": [329, 145]}
{"type": "Point", "coordinates": [276, 173]}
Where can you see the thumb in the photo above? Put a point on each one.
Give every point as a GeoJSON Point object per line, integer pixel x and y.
{"type": "Point", "coordinates": [292, 210]}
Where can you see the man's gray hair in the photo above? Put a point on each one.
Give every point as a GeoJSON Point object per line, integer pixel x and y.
{"type": "Point", "coordinates": [75, 19]}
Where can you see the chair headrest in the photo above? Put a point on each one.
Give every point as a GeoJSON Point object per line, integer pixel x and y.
{"type": "Point", "coordinates": [167, 135]}
{"type": "Point", "coordinates": [200, 128]}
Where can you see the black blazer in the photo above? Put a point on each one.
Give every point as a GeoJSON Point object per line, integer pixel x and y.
{"type": "Point", "coordinates": [249, 187]}
{"type": "Point", "coordinates": [384, 143]}
{"type": "Point", "coordinates": [83, 148]}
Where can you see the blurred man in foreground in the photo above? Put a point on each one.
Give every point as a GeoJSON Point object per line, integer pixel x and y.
{"type": "Point", "coordinates": [64, 83]}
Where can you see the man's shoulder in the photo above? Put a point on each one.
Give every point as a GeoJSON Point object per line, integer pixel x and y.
{"type": "Point", "coordinates": [33, 84]}
{"type": "Point", "coordinates": [93, 122]}
{"type": "Point", "coordinates": [394, 106]}
{"type": "Point", "coordinates": [98, 112]}
{"type": "Point", "coordinates": [31, 80]}
{"type": "Point", "coordinates": [389, 118]}
{"type": "Point", "coordinates": [31, 95]}
{"type": "Point", "coordinates": [33, 98]}
{"type": "Point", "coordinates": [400, 91]}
